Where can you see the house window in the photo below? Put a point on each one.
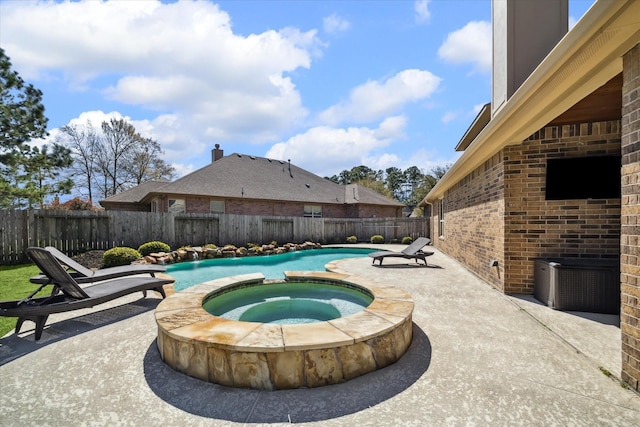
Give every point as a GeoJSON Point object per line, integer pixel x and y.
{"type": "Point", "coordinates": [176, 205]}
{"type": "Point", "coordinates": [441, 222]}
{"type": "Point", "coordinates": [312, 211]}
{"type": "Point", "coordinates": [154, 206]}
{"type": "Point", "coordinates": [216, 206]}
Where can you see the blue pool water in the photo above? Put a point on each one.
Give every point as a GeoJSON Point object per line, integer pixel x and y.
{"type": "Point", "coordinates": [288, 302]}
{"type": "Point", "coordinates": [271, 266]}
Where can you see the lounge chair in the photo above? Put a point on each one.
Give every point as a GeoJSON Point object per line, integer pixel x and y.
{"type": "Point", "coordinates": [413, 251]}
{"type": "Point", "coordinates": [85, 275]}
{"type": "Point", "coordinates": [67, 295]}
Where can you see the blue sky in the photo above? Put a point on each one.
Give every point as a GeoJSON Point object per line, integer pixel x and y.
{"type": "Point", "coordinates": [327, 84]}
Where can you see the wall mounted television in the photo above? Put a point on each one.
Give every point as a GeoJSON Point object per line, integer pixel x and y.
{"type": "Point", "coordinates": [592, 177]}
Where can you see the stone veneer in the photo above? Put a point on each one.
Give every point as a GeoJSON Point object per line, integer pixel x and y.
{"type": "Point", "coordinates": [273, 356]}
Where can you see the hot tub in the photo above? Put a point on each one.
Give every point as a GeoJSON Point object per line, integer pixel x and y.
{"type": "Point", "coordinates": [268, 356]}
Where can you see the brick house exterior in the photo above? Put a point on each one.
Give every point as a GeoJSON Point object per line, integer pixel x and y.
{"type": "Point", "coordinates": [582, 100]}
{"type": "Point", "coordinates": [630, 220]}
{"type": "Point", "coordinates": [250, 185]}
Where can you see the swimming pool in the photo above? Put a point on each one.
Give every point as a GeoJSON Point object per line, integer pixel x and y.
{"type": "Point", "coordinates": [192, 273]}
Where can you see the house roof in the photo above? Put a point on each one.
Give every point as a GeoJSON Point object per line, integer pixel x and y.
{"type": "Point", "coordinates": [245, 176]}
{"type": "Point", "coordinates": [481, 120]}
{"type": "Point", "coordinates": [588, 57]}
{"type": "Point", "coordinates": [135, 194]}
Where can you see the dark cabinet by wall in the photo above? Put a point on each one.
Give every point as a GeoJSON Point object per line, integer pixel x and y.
{"type": "Point", "coordinates": [574, 284]}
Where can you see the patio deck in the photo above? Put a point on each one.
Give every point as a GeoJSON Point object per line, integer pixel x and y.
{"type": "Point", "coordinates": [477, 358]}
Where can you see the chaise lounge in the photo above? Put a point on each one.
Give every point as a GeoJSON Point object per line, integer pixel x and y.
{"type": "Point", "coordinates": [413, 251]}
{"type": "Point", "coordinates": [67, 295]}
{"type": "Point", "coordinates": [83, 274]}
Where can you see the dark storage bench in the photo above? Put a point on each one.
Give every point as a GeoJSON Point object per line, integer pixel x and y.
{"type": "Point", "coordinates": [578, 284]}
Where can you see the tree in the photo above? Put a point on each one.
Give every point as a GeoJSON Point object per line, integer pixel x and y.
{"type": "Point", "coordinates": [21, 113]}
{"type": "Point", "coordinates": [27, 174]}
{"type": "Point", "coordinates": [75, 204]}
{"type": "Point", "coordinates": [356, 174]}
{"type": "Point", "coordinates": [413, 179]}
{"type": "Point", "coordinates": [394, 181]}
{"type": "Point", "coordinates": [144, 163]}
{"type": "Point", "coordinates": [429, 181]}
{"type": "Point", "coordinates": [119, 140]}
{"type": "Point", "coordinates": [376, 185]}
{"type": "Point", "coordinates": [42, 173]}
{"type": "Point", "coordinates": [114, 158]}
{"type": "Point", "coordinates": [83, 142]}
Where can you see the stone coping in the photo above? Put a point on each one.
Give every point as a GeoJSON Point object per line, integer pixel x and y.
{"type": "Point", "coordinates": [181, 317]}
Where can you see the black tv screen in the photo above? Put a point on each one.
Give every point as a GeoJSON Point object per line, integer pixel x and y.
{"type": "Point", "coordinates": [594, 177]}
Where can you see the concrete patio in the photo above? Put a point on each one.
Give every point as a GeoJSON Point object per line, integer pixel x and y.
{"type": "Point", "coordinates": [477, 358]}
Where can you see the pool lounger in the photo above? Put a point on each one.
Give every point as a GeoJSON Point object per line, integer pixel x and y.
{"type": "Point", "coordinates": [67, 295]}
{"type": "Point", "coordinates": [413, 251]}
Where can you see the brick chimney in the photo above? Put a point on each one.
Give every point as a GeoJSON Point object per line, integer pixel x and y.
{"type": "Point", "coordinates": [524, 32]}
{"type": "Point", "coordinates": [216, 153]}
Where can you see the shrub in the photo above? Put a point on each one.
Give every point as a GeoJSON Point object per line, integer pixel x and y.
{"type": "Point", "coordinates": [119, 255]}
{"type": "Point", "coordinates": [407, 240]}
{"type": "Point", "coordinates": [151, 247]}
{"type": "Point", "coordinates": [376, 238]}
{"type": "Point", "coordinates": [352, 239]}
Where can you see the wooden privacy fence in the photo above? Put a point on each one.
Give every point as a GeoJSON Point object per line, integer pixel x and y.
{"type": "Point", "coordinates": [75, 232]}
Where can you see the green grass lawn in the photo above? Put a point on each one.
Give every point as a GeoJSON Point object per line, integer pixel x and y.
{"type": "Point", "coordinates": [14, 284]}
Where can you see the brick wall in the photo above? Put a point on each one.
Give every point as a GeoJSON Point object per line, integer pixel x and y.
{"type": "Point", "coordinates": [630, 233]}
{"type": "Point", "coordinates": [197, 204]}
{"type": "Point", "coordinates": [473, 217]}
{"type": "Point", "coordinates": [270, 208]}
{"type": "Point", "coordinates": [499, 211]}
{"type": "Point", "coordinates": [535, 227]}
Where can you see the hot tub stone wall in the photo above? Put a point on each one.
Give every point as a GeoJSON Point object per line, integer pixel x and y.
{"type": "Point", "coordinates": [273, 356]}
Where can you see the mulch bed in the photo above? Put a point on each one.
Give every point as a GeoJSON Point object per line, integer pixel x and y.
{"type": "Point", "coordinates": [90, 259]}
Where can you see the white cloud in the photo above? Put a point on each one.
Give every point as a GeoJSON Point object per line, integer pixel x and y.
{"type": "Point", "coordinates": [327, 151]}
{"type": "Point", "coordinates": [182, 58]}
{"type": "Point", "coordinates": [375, 99]}
{"type": "Point", "coordinates": [470, 44]}
{"type": "Point", "coordinates": [421, 8]}
{"type": "Point", "coordinates": [335, 24]}
{"type": "Point", "coordinates": [449, 116]}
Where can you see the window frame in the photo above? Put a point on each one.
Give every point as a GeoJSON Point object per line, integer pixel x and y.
{"type": "Point", "coordinates": [441, 218]}
{"type": "Point", "coordinates": [219, 202]}
{"type": "Point", "coordinates": [312, 211]}
{"type": "Point", "coordinates": [175, 201]}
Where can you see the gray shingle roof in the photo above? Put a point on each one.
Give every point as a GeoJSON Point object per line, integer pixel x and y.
{"type": "Point", "coordinates": [137, 193]}
{"type": "Point", "coordinates": [245, 176]}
